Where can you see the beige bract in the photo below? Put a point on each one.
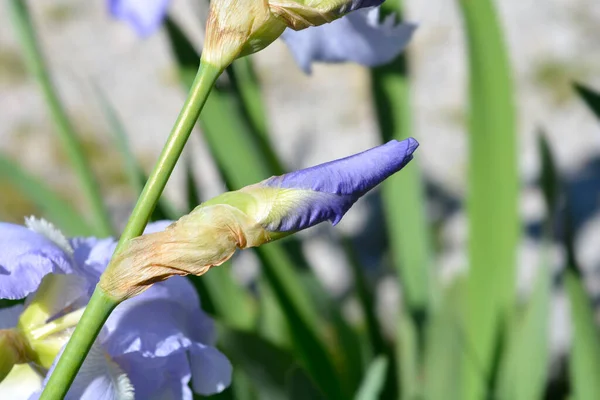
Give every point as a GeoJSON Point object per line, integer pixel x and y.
{"type": "Point", "coordinates": [240, 27]}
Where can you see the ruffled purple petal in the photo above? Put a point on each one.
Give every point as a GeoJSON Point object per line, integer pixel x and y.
{"type": "Point", "coordinates": [211, 370]}
{"type": "Point", "coordinates": [145, 16]}
{"type": "Point", "coordinates": [358, 37]}
{"type": "Point", "coordinates": [163, 320]}
{"type": "Point", "coordinates": [327, 191]}
{"type": "Point", "coordinates": [25, 259]}
{"type": "Point", "coordinates": [158, 378]}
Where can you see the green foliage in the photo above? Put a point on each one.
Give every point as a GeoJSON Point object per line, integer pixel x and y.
{"type": "Point", "coordinates": [493, 194]}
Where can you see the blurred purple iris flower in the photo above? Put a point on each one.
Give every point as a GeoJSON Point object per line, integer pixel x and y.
{"type": "Point", "coordinates": [358, 37]}
{"type": "Point", "coordinates": [151, 347]}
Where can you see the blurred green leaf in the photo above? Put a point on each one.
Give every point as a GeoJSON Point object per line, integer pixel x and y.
{"type": "Point", "coordinates": [247, 86]}
{"type": "Point", "coordinates": [21, 19]}
{"type": "Point", "coordinates": [193, 193]}
{"type": "Point", "coordinates": [301, 387]}
{"type": "Point", "coordinates": [525, 369]}
{"type": "Point", "coordinates": [374, 380]}
{"type": "Point", "coordinates": [403, 194]}
{"type": "Point", "coordinates": [231, 302]}
{"type": "Point", "coordinates": [446, 347]}
{"type": "Point", "coordinates": [366, 297]}
{"type": "Point", "coordinates": [493, 192]}
{"type": "Point", "coordinates": [591, 98]}
{"type": "Point", "coordinates": [407, 354]}
{"type": "Point", "coordinates": [52, 206]}
{"type": "Point", "coordinates": [267, 365]}
{"type": "Point", "coordinates": [549, 179]}
{"type": "Point", "coordinates": [584, 361]}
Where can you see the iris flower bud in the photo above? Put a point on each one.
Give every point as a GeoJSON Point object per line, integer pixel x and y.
{"type": "Point", "coordinates": [252, 216]}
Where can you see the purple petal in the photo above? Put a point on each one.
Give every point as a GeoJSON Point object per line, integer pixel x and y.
{"type": "Point", "coordinates": [358, 37]}
{"type": "Point", "coordinates": [9, 316]}
{"type": "Point", "coordinates": [145, 16]}
{"type": "Point", "coordinates": [332, 188]}
{"type": "Point", "coordinates": [25, 259]}
{"type": "Point", "coordinates": [158, 377]}
{"type": "Point", "coordinates": [163, 320]}
{"type": "Point", "coordinates": [211, 370]}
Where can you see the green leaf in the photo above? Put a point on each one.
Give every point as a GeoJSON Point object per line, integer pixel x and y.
{"type": "Point", "coordinates": [584, 360]}
{"type": "Point", "coordinates": [493, 192]}
{"type": "Point", "coordinates": [52, 206]}
{"type": "Point", "coordinates": [407, 354]}
{"type": "Point", "coordinates": [267, 365]}
{"type": "Point", "coordinates": [525, 371]}
{"type": "Point", "coordinates": [591, 98]}
{"type": "Point", "coordinates": [247, 86]}
{"type": "Point", "coordinates": [232, 302]}
{"type": "Point", "coordinates": [446, 347]}
{"type": "Point", "coordinates": [372, 385]}
{"type": "Point", "coordinates": [35, 63]}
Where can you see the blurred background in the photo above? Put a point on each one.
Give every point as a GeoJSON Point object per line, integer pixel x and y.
{"type": "Point", "coordinates": [323, 116]}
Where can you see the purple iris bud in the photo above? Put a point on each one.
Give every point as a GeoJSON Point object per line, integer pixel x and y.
{"type": "Point", "coordinates": [358, 37]}
{"type": "Point", "coordinates": [327, 191]}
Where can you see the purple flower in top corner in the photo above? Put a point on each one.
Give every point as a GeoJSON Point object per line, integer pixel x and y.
{"type": "Point", "coordinates": [145, 16]}
{"type": "Point", "coordinates": [358, 37]}
{"type": "Point", "coordinates": [152, 346]}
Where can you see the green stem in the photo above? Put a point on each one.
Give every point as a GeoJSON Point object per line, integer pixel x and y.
{"type": "Point", "coordinates": [101, 305]}
{"type": "Point", "coordinates": [37, 66]}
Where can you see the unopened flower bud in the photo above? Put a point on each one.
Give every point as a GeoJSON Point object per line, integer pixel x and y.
{"type": "Point", "coordinates": [240, 27]}
{"type": "Point", "coordinates": [252, 216]}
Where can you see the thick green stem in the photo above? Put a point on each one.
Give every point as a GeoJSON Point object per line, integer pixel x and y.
{"type": "Point", "coordinates": [66, 133]}
{"type": "Point", "coordinates": [101, 304]}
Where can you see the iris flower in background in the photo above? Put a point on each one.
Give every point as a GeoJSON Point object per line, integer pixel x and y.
{"type": "Point", "coordinates": [358, 37]}
{"type": "Point", "coordinates": [150, 347]}
{"type": "Point", "coordinates": [252, 216]}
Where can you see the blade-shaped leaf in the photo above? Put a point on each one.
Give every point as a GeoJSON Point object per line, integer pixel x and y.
{"type": "Point", "coordinates": [407, 354]}
{"type": "Point", "coordinates": [374, 380]}
{"type": "Point", "coordinates": [525, 371]}
{"type": "Point", "coordinates": [584, 360]}
{"type": "Point", "coordinates": [591, 98]}
{"type": "Point", "coordinates": [493, 192]}
{"type": "Point", "coordinates": [52, 206]}
{"type": "Point", "coordinates": [446, 347]}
